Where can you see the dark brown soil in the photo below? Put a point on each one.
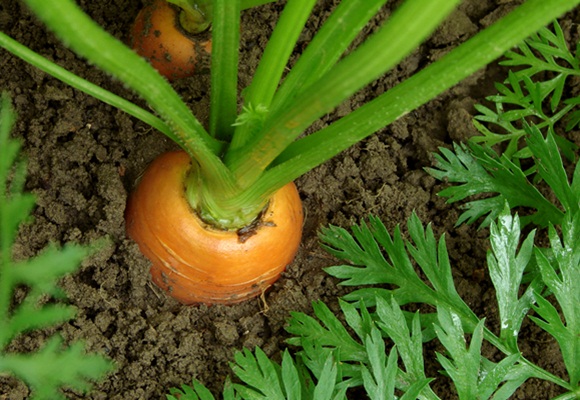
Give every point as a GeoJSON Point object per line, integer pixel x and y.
{"type": "Point", "coordinates": [84, 157]}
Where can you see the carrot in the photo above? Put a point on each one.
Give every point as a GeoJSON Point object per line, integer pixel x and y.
{"type": "Point", "coordinates": [196, 263]}
{"type": "Point", "coordinates": [158, 36]}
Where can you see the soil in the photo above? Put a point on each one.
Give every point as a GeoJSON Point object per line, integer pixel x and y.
{"type": "Point", "coordinates": [84, 157]}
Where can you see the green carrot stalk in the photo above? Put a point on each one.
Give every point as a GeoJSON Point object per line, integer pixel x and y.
{"type": "Point", "coordinates": [224, 69]}
{"type": "Point", "coordinates": [313, 150]}
{"type": "Point", "coordinates": [358, 69]}
{"type": "Point", "coordinates": [245, 158]}
{"type": "Point", "coordinates": [326, 47]}
{"type": "Point", "coordinates": [85, 86]}
{"type": "Point", "coordinates": [274, 60]}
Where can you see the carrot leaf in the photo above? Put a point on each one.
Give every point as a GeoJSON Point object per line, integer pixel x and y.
{"type": "Point", "coordinates": [481, 170]}
{"type": "Point", "coordinates": [365, 250]}
{"type": "Point", "coordinates": [264, 379]}
{"type": "Point", "coordinates": [506, 269]}
{"type": "Point", "coordinates": [526, 97]}
{"type": "Point", "coordinates": [560, 269]}
{"type": "Point", "coordinates": [76, 369]}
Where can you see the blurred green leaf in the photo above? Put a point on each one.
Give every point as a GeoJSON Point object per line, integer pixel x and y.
{"type": "Point", "coordinates": [74, 368]}
{"type": "Point", "coordinates": [55, 366]}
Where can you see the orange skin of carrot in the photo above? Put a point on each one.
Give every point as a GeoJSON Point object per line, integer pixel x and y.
{"type": "Point", "coordinates": [195, 263]}
{"type": "Point", "coordinates": [157, 36]}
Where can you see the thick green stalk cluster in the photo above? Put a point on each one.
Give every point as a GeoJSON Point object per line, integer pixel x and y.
{"type": "Point", "coordinates": [242, 159]}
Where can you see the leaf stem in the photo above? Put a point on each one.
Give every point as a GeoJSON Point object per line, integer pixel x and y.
{"type": "Point", "coordinates": [254, 3]}
{"type": "Point", "coordinates": [272, 64]}
{"type": "Point", "coordinates": [277, 52]}
{"type": "Point", "coordinates": [83, 85]}
{"type": "Point", "coordinates": [195, 15]}
{"type": "Point", "coordinates": [377, 55]}
{"type": "Point", "coordinates": [326, 47]}
{"type": "Point", "coordinates": [89, 40]}
{"type": "Point", "coordinates": [224, 68]}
